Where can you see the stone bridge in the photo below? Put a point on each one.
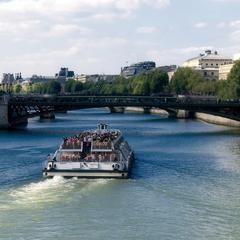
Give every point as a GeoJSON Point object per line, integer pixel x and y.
{"type": "Point", "coordinates": [16, 109]}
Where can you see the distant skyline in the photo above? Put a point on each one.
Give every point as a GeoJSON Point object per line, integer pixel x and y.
{"type": "Point", "coordinates": [101, 36]}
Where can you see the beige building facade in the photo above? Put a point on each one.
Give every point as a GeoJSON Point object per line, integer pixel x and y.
{"type": "Point", "coordinates": [208, 73]}
{"type": "Point", "coordinates": [208, 64]}
{"type": "Point", "coordinates": [224, 70]}
{"type": "Point", "coordinates": [208, 60]}
{"type": "Point", "coordinates": [236, 57]}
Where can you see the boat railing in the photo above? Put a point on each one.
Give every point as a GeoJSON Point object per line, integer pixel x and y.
{"type": "Point", "coordinates": [103, 146]}
{"type": "Point", "coordinates": [93, 157]}
{"type": "Point", "coordinates": [72, 145]}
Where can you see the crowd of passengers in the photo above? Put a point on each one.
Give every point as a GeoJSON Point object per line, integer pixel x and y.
{"type": "Point", "coordinates": [102, 140]}
{"type": "Point", "coordinates": [93, 157]}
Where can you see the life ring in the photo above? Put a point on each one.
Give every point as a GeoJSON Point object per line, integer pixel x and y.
{"type": "Point", "coordinates": [51, 165]}
{"type": "Point", "coordinates": [117, 166]}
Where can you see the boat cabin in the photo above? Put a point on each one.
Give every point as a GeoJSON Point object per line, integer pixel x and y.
{"type": "Point", "coordinates": [102, 127]}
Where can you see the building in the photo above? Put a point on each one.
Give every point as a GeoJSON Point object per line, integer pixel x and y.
{"type": "Point", "coordinates": [208, 60]}
{"type": "Point", "coordinates": [8, 79]}
{"type": "Point", "coordinates": [25, 84]}
{"type": "Point", "coordinates": [109, 78]}
{"type": "Point", "coordinates": [208, 64]}
{"type": "Point", "coordinates": [236, 57]}
{"type": "Point", "coordinates": [96, 77]}
{"type": "Point", "coordinates": [81, 78]}
{"type": "Point", "coordinates": [18, 78]}
{"type": "Point", "coordinates": [38, 79]}
{"type": "Point", "coordinates": [209, 73]}
{"type": "Point", "coordinates": [64, 74]}
{"type": "Point", "coordinates": [169, 69]}
{"type": "Point", "coordinates": [224, 70]}
{"type": "Point", "coordinates": [137, 68]}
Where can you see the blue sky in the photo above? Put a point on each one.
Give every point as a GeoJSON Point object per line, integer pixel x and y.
{"type": "Point", "coordinates": [100, 36]}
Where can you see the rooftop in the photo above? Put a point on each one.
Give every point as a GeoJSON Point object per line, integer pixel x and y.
{"type": "Point", "coordinates": [210, 55]}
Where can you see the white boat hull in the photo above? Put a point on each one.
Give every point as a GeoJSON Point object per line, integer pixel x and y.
{"type": "Point", "coordinates": [86, 174]}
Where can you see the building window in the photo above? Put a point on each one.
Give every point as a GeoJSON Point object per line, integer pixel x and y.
{"type": "Point", "coordinates": [212, 73]}
{"type": "Point", "coordinates": [205, 73]}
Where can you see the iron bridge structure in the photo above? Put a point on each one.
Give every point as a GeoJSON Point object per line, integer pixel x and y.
{"type": "Point", "coordinates": [18, 108]}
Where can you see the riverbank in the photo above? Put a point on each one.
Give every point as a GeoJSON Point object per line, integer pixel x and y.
{"type": "Point", "coordinates": [142, 110]}
{"type": "Point", "coordinates": [200, 116]}
{"type": "Point", "coordinates": [217, 120]}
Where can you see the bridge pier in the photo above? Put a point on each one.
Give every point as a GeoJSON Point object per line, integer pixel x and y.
{"type": "Point", "coordinates": [47, 115]}
{"type": "Point", "coordinates": [117, 109]}
{"type": "Point", "coordinates": [4, 123]}
{"type": "Point", "coordinates": [181, 114]}
{"type": "Point", "coordinates": [147, 110]}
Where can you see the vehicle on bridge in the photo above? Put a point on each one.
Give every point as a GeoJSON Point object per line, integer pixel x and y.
{"type": "Point", "coordinates": [100, 153]}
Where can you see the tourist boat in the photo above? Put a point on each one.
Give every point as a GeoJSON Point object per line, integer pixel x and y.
{"type": "Point", "coordinates": [98, 153]}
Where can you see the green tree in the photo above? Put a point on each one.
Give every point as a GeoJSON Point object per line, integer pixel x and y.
{"type": "Point", "coordinates": [158, 80]}
{"type": "Point", "coordinates": [53, 87]}
{"type": "Point", "coordinates": [154, 81]}
{"type": "Point", "coordinates": [17, 88]}
{"type": "Point", "coordinates": [230, 89]}
{"type": "Point", "coordinates": [233, 81]}
{"type": "Point", "coordinates": [185, 81]}
{"type": "Point", "coordinates": [69, 85]}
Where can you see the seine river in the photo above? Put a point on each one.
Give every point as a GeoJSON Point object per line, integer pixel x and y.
{"type": "Point", "coordinates": [185, 182]}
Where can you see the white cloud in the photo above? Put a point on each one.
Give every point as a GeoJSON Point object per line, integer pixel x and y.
{"type": "Point", "coordinates": [175, 55]}
{"type": "Point", "coordinates": [146, 29]}
{"type": "Point", "coordinates": [79, 54]}
{"type": "Point", "coordinates": [158, 3]}
{"type": "Point", "coordinates": [192, 49]}
{"type": "Point", "coordinates": [221, 25]}
{"type": "Point", "coordinates": [235, 36]}
{"type": "Point", "coordinates": [60, 15]}
{"type": "Point", "coordinates": [65, 29]}
{"type": "Point", "coordinates": [200, 24]}
{"type": "Point", "coordinates": [235, 24]}
{"type": "Point", "coordinates": [74, 6]}
{"type": "Point", "coordinates": [227, 1]}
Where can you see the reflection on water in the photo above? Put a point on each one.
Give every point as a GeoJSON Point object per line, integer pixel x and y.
{"type": "Point", "coordinates": [184, 183]}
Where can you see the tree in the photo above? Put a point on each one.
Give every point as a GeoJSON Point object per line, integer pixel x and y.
{"type": "Point", "coordinates": [230, 89]}
{"type": "Point", "coordinates": [233, 81]}
{"type": "Point", "coordinates": [154, 81]}
{"type": "Point", "coordinates": [158, 80]}
{"type": "Point", "coordinates": [68, 86]}
{"type": "Point", "coordinates": [185, 80]}
{"type": "Point", "coordinates": [54, 87]}
{"type": "Point", "coordinates": [17, 88]}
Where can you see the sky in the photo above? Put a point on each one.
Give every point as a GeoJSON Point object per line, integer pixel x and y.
{"type": "Point", "coordinates": [101, 36]}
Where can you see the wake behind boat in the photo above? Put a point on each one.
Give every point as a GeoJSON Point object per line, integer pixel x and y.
{"type": "Point", "coordinates": [99, 153]}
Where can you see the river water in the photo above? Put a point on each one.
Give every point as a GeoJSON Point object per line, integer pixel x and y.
{"type": "Point", "coordinates": [185, 182]}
